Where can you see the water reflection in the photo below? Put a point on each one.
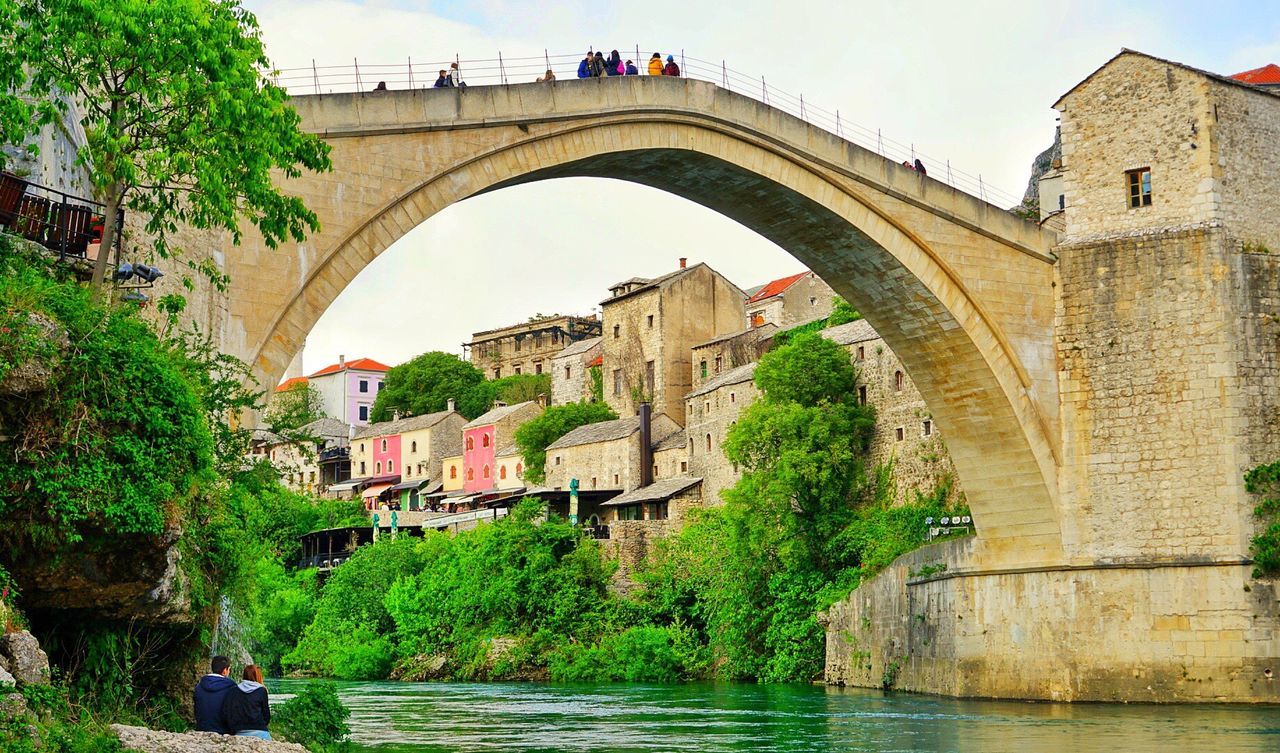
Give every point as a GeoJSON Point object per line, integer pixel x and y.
{"type": "Point", "coordinates": [707, 718]}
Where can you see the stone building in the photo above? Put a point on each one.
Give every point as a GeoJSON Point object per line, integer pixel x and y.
{"type": "Point", "coordinates": [727, 352]}
{"type": "Point", "coordinates": [711, 410]}
{"type": "Point", "coordinates": [609, 457]}
{"type": "Point", "coordinates": [410, 448]}
{"type": "Point", "coordinates": [650, 325]}
{"type": "Point", "coordinates": [528, 348]}
{"type": "Point", "coordinates": [906, 436]}
{"type": "Point", "coordinates": [570, 370]}
{"type": "Point", "coordinates": [790, 301]}
{"type": "Point", "coordinates": [299, 463]}
{"type": "Point", "coordinates": [347, 389]}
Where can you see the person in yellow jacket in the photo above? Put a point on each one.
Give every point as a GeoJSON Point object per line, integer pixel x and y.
{"type": "Point", "coordinates": [655, 64]}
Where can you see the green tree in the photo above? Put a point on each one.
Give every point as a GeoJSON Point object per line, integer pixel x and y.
{"type": "Point", "coordinates": [521, 388]}
{"type": "Point", "coordinates": [842, 313]}
{"type": "Point", "coordinates": [426, 384]}
{"type": "Point", "coordinates": [183, 123]}
{"type": "Point", "coordinates": [294, 407]}
{"type": "Point", "coordinates": [1264, 481]}
{"type": "Point", "coordinates": [533, 437]}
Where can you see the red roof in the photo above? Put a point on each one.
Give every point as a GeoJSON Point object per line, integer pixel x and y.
{"type": "Point", "coordinates": [1267, 75]}
{"type": "Point", "coordinates": [775, 287]}
{"type": "Point", "coordinates": [289, 384]}
{"type": "Point", "coordinates": [358, 364]}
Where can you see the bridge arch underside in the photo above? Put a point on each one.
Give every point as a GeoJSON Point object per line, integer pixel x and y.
{"type": "Point", "coordinates": [968, 372]}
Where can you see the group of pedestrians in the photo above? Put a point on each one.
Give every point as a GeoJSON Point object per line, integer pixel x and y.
{"type": "Point", "coordinates": [596, 65]}
{"type": "Point", "coordinates": [229, 708]}
{"type": "Point", "coordinates": [451, 78]}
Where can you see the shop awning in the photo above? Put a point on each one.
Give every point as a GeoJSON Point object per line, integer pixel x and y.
{"type": "Point", "coordinates": [374, 490]}
{"type": "Point", "coordinates": [348, 485]}
{"type": "Point", "coordinates": [402, 486]}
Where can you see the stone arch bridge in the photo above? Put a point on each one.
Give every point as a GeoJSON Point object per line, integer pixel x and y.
{"type": "Point", "coordinates": [960, 289]}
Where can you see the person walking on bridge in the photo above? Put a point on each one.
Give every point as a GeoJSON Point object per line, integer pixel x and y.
{"type": "Point", "coordinates": [655, 64]}
{"type": "Point", "coordinates": [672, 69]}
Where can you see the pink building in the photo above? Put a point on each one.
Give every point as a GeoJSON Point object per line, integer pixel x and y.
{"type": "Point", "coordinates": [488, 437]}
{"type": "Point", "coordinates": [348, 388]}
{"type": "Point", "coordinates": [386, 455]}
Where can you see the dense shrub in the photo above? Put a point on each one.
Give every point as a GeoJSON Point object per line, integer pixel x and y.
{"type": "Point", "coordinates": [533, 437]}
{"type": "Point", "coordinates": [314, 718]}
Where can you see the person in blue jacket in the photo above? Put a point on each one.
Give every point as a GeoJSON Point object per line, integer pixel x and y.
{"type": "Point", "coordinates": [210, 692]}
{"type": "Point", "coordinates": [584, 68]}
{"type": "Point", "coordinates": [632, 70]}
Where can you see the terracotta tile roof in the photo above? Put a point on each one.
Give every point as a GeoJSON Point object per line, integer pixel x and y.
{"type": "Point", "coordinates": [357, 364]}
{"type": "Point", "coordinates": [773, 288]}
{"type": "Point", "coordinates": [289, 384]}
{"type": "Point", "coordinates": [1267, 75]}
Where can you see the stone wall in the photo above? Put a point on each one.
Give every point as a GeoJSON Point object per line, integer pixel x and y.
{"type": "Point", "coordinates": [570, 375]}
{"type": "Point", "coordinates": [1162, 633]}
{"type": "Point", "coordinates": [596, 465]}
{"type": "Point", "coordinates": [1245, 134]}
{"type": "Point", "coordinates": [528, 347]}
{"type": "Point", "coordinates": [710, 416]}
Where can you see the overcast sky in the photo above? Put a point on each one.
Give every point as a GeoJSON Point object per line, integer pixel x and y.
{"type": "Point", "coordinates": [969, 82]}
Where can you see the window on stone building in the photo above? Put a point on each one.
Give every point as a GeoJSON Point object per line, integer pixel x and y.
{"type": "Point", "coordinates": [377, 467]}
{"type": "Point", "coordinates": [567, 372]}
{"type": "Point", "coordinates": [702, 366]}
{"type": "Point", "coordinates": [649, 321]}
{"type": "Point", "coordinates": [313, 477]}
{"type": "Point", "coordinates": [555, 337]}
{"type": "Point", "coordinates": [361, 467]}
{"type": "Point", "coordinates": [486, 471]}
{"type": "Point", "coordinates": [708, 443]}
{"type": "Point", "coordinates": [413, 446]}
{"type": "Point", "coordinates": [471, 474]}
{"type": "Point", "coordinates": [497, 373]}
{"type": "Point", "coordinates": [537, 368]}
{"type": "Point", "coordinates": [593, 482]}
{"type": "Point", "coordinates": [733, 398]}
{"type": "Point", "coordinates": [519, 470]}
{"type": "Point", "coordinates": [617, 382]}
{"type": "Point", "coordinates": [502, 471]}
{"type": "Point", "coordinates": [537, 341]}
{"type": "Point", "coordinates": [615, 480]}
{"type": "Point", "coordinates": [1139, 187]}
{"type": "Point", "coordinates": [557, 460]}
{"type": "Point", "coordinates": [899, 434]}
{"type": "Point", "coordinates": [484, 441]}
{"type": "Point", "coordinates": [648, 377]}
{"type": "Point", "coordinates": [719, 363]}
{"type": "Point", "coordinates": [364, 385]}
{"type": "Point", "coordinates": [862, 353]}
{"type": "Point", "coordinates": [617, 331]}
{"type": "Point", "coordinates": [453, 471]}
{"type": "Point", "coordinates": [471, 443]}
{"type": "Point", "coordinates": [364, 413]}
{"type": "Point", "coordinates": [658, 511]}
{"type": "Point", "coordinates": [862, 395]}
{"type": "Point", "coordinates": [706, 408]}
{"type": "Point", "coordinates": [897, 381]}
{"type": "Point", "coordinates": [517, 369]}
{"type": "Point", "coordinates": [631, 512]}
{"type": "Point", "coordinates": [377, 386]}
{"type": "Point", "coordinates": [928, 428]}
{"type": "Point", "coordinates": [391, 466]}
{"type": "Point", "coordinates": [518, 344]}
{"type": "Point", "coordinates": [684, 466]}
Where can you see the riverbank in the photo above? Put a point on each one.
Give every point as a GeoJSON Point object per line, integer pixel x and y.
{"type": "Point", "coordinates": [389, 717]}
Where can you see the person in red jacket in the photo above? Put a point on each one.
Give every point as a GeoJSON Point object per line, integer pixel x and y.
{"type": "Point", "coordinates": [672, 69]}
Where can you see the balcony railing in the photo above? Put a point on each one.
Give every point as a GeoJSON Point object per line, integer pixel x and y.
{"type": "Point", "coordinates": [324, 561]}
{"type": "Point", "coordinates": [597, 532]}
{"type": "Point", "coordinates": [335, 454]}
{"type": "Point", "coordinates": [65, 224]}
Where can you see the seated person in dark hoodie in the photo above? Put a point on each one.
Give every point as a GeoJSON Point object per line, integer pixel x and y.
{"type": "Point", "coordinates": [246, 711]}
{"type": "Point", "coordinates": [209, 695]}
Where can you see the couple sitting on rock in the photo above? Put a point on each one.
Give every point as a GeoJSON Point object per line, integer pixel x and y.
{"type": "Point", "coordinates": [224, 707]}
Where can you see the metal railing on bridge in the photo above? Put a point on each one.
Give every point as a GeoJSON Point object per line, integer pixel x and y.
{"type": "Point", "coordinates": [504, 70]}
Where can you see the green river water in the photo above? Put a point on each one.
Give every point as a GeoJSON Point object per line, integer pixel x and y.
{"type": "Point", "coordinates": [709, 718]}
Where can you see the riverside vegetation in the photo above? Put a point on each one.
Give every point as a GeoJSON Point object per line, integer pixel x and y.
{"type": "Point", "coordinates": [738, 594]}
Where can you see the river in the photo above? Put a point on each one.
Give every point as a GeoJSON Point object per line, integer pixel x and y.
{"type": "Point", "coordinates": [709, 718]}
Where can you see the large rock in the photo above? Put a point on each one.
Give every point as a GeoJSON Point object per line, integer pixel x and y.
{"type": "Point", "coordinates": [33, 373]}
{"type": "Point", "coordinates": [7, 680]}
{"type": "Point", "coordinates": [145, 740]}
{"type": "Point", "coordinates": [28, 663]}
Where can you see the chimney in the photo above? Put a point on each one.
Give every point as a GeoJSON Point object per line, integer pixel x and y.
{"type": "Point", "coordinates": [646, 445]}
{"type": "Point", "coordinates": [684, 262]}
{"type": "Point", "coordinates": [342, 362]}
{"type": "Point", "coordinates": [453, 405]}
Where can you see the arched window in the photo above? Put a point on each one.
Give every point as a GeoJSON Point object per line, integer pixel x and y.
{"type": "Point", "coordinates": [502, 471]}
{"type": "Point", "coordinates": [391, 466]}
{"type": "Point", "coordinates": [486, 471]}
{"type": "Point", "coordinates": [453, 471]}
{"type": "Point", "coordinates": [413, 446]}
{"type": "Point", "coordinates": [485, 441]}
{"type": "Point", "coordinates": [708, 443]}
{"type": "Point", "coordinates": [519, 470]}
{"type": "Point", "coordinates": [384, 445]}
{"type": "Point", "coordinates": [897, 381]}
{"type": "Point", "coordinates": [471, 474]}
{"type": "Point", "coordinates": [471, 443]}
{"type": "Point", "coordinates": [377, 467]}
